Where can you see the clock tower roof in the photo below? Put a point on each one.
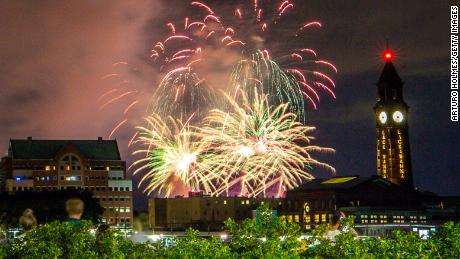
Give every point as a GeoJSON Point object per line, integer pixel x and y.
{"type": "Point", "coordinates": [390, 85]}
{"type": "Point", "coordinates": [389, 75]}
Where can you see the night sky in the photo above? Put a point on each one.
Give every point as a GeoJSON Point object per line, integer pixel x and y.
{"type": "Point", "coordinates": [54, 53]}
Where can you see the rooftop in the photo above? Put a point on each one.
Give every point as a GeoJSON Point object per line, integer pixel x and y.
{"type": "Point", "coordinates": [339, 182]}
{"type": "Point", "coordinates": [47, 149]}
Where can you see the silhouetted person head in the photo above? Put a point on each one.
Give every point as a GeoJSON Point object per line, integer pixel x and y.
{"type": "Point", "coordinates": [336, 216]}
{"type": "Point", "coordinates": [27, 221]}
{"type": "Point", "coordinates": [74, 208]}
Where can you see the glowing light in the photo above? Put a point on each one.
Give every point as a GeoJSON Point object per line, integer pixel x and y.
{"type": "Point", "coordinates": [398, 116]}
{"type": "Point", "coordinates": [388, 55]}
{"type": "Point", "coordinates": [171, 152]}
{"type": "Point", "coordinates": [246, 151]}
{"type": "Point", "coordinates": [258, 146]}
{"type": "Point", "coordinates": [383, 117]}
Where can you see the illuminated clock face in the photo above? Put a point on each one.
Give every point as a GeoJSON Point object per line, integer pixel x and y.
{"type": "Point", "coordinates": [398, 116]}
{"type": "Point", "coordinates": [383, 117]}
{"type": "Point", "coordinates": [306, 207]}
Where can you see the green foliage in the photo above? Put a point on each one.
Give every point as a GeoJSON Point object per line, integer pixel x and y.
{"type": "Point", "coordinates": [401, 244]}
{"type": "Point", "coordinates": [194, 246]}
{"type": "Point", "coordinates": [64, 240]}
{"type": "Point", "coordinates": [268, 237]}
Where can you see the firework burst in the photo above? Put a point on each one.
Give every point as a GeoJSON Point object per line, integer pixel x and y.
{"type": "Point", "coordinates": [270, 55]}
{"type": "Point", "coordinates": [184, 91]}
{"type": "Point", "coordinates": [171, 153]}
{"type": "Point", "coordinates": [259, 146]}
{"type": "Point", "coordinates": [274, 57]}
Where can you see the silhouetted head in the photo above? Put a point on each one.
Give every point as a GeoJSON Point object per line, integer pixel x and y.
{"type": "Point", "coordinates": [74, 208]}
{"type": "Point", "coordinates": [27, 221]}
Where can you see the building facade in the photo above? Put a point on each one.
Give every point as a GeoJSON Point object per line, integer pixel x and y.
{"type": "Point", "coordinates": [94, 165]}
{"type": "Point", "coordinates": [391, 113]}
{"type": "Point", "coordinates": [202, 212]}
{"type": "Point", "coordinates": [376, 204]}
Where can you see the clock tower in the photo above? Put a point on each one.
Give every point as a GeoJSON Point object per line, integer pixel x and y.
{"type": "Point", "coordinates": [391, 113]}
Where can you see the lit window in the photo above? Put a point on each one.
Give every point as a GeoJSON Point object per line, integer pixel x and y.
{"type": "Point", "coordinates": [72, 178]}
{"type": "Point", "coordinates": [107, 168]}
{"type": "Point", "coordinates": [323, 217]}
{"type": "Point", "coordinates": [247, 202]}
{"type": "Point", "coordinates": [47, 168]}
{"type": "Point", "coordinates": [296, 218]}
{"type": "Point", "coordinates": [316, 218]}
{"type": "Point", "coordinates": [225, 201]}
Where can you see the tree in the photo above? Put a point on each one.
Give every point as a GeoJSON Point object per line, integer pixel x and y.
{"type": "Point", "coordinates": [270, 237]}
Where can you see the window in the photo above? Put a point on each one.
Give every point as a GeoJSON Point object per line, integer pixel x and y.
{"type": "Point", "coordinates": [323, 217]}
{"type": "Point", "coordinates": [316, 218]}
{"type": "Point", "coordinates": [296, 218]}
{"type": "Point", "coordinates": [70, 162]}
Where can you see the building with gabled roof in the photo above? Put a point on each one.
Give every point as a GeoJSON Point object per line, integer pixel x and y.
{"type": "Point", "coordinates": [376, 204]}
{"type": "Point", "coordinates": [94, 165]}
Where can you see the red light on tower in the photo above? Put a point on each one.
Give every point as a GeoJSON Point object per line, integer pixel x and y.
{"type": "Point", "coordinates": [388, 56]}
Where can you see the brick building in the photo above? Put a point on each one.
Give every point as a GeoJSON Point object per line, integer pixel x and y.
{"type": "Point", "coordinates": [202, 212]}
{"type": "Point", "coordinates": [95, 165]}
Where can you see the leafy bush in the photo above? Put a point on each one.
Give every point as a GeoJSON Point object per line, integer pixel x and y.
{"type": "Point", "coordinates": [269, 237]}
{"type": "Point", "coordinates": [64, 240]}
{"type": "Point", "coordinates": [401, 244]}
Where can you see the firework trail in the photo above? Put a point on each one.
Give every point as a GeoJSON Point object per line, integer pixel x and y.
{"type": "Point", "coordinates": [270, 56]}
{"type": "Point", "coordinates": [171, 153]}
{"type": "Point", "coordinates": [258, 146]}
{"type": "Point", "coordinates": [274, 57]}
{"type": "Point", "coordinates": [266, 52]}
{"type": "Point", "coordinates": [255, 139]}
{"type": "Point", "coordinates": [123, 97]}
{"type": "Point", "coordinates": [184, 91]}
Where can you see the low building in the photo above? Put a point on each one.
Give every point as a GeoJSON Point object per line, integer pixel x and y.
{"type": "Point", "coordinates": [202, 212]}
{"type": "Point", "coordinates": [377, 205]}
{"type": "Point", "coordinates": [95, 165]}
